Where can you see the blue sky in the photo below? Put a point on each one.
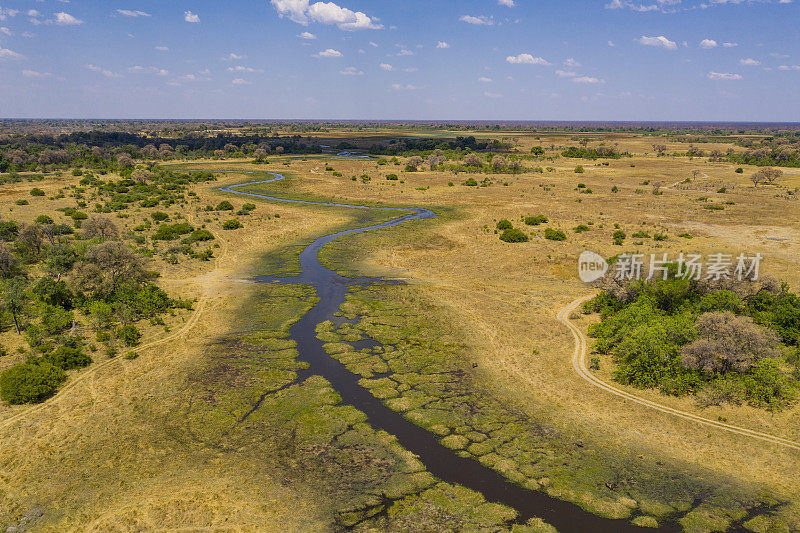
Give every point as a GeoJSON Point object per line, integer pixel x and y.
{"type": "Point", "coordinates": [732, 60]}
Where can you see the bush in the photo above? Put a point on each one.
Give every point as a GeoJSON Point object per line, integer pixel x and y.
{"type": "Point", "coordinates": [224, 206]}
{"type": "Point", "coordinates": [129, 335]}
{"type": "Point", "coordinates": [231, 224]}
{"type": "Point", "coordinates": [392, 177]}
{"type": "Point", "coordinates": [581, 228]}
{"type": "Point", "coordinates": [36, 191]}
{"type": "Point", "coordinates": [618, 237]}
{"type": "Point", "coordinates": [471, 182]}
{"type": "Point", "coordinates": [504, 224]}
{"type": "Point", "coordinates": [535, 221]}
{"type": "Point", "coordinates": [44, 219]}
{"type": "Point", "coordinates": [30, 382]}
{"type": "Point", "coordinates": [201, 235]}
{"type": "Point", "coordinates": [739, 170]}
{"type": "Point", "coordinates": [159, 216]}
{"type": "Point", "coordinates": [513, 235]}
{"type": "Point", "coordinates": [67, 358]}
{"type": "Point", "coordinates": [579, 170]}
{"type": "Point", "coordinates": [170, 232]}
{"type": "Point", "coordinates": [554, 235]}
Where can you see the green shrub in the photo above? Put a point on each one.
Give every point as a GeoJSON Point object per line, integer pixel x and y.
{"type": "Point", "coordinates": [581, 228]}
{"type": "Point", "coordinates": [224, 206]}
{"type": "Point", "coordinates": [535, 221]}
{"type": "Point", "coordinates": [30, 382]}
{"type": "Point", "coordinates": [159, 216]}
{"type": "Point", "coordinates": [514, 235]}
{"type": "Point", "coordinates": [660, 237]}
{"type": "Point", "coordinates": [641, 235]}
{"type": "Point", "coordinates": [554, 235]}
{"type": "Point", "coordinates": [579, 170]}
{"type": "Point", "coordinates": [201, 235]}
{"type": "Point", "coordinates": [22, 202]}
{"type": "Point", "coordinates": [170, 232]}
{"type": "Point", "coordinates": [231, 224]}
{"type": "Point", "coordinates": [739, 170]}
{"type": "Point", "coordinates": [44, 219]}
{"type": "Point", "coordinates": [471, 182]}
{"type": "Point", "coordinates": [67, 358]}
{"type": "Point", "coordinates": [129, 334]}
{"type": "Point", "coordinates": [392, 177]}
{"type": "Point", "coordinates": [249, 207]}
{"type": "Point", "coordinates": [504, 224]}
{"type": "Point", "coordinates": [618, 237]}
{"type": "Point", "coordinates": [36, 191]}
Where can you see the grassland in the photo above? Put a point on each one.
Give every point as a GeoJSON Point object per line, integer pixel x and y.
{"type": "Point", "coordinates": [103, 453]}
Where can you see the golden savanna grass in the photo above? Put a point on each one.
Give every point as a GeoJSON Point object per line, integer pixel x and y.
{"type": "Point", "coordinates": [102, 463]}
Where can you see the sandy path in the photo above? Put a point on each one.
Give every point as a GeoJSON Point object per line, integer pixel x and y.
{"type": "Point", "coordinates": [579, 364]}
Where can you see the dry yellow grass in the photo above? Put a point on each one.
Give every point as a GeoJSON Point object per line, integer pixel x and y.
{"type": "Point", "coordinates": [134, 477]}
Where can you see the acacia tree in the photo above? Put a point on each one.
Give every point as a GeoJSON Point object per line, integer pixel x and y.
{"type": "Point", "coordinates": [473, 160]}
{"type": "Point", "coordinates": [15, 300]}
{"type": "Point", "coordinates": [107, 267]}
{"type": "Point", "coordinates": [100, 227]}
{"type": "Point", "coordinates": [414, 162]}
{"type": "Point", "coordinates": [727, 342]}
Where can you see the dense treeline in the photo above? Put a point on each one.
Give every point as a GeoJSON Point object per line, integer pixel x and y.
{"type": "Point", "coordinates": [724, 341]}
{"type": "Point", "coordinates": [420, 146]}
{"type": "Point", "coordinates": [116, 150]}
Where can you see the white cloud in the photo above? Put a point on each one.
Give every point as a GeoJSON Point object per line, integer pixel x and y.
{"type": "Point", "coordinates": [527, 59]}
{"type": "Point", "coordinates": [611, 44]}
{"type": "Point", "coordinates": [492, 95]}
{"type": "Point", "coordinates": [240, 68]}
{"type": "Point", "coordinates": [723, 76]}
{"type": "Point", "coordinates": [302, 12]}
{"type": "Point", "coordinates": [374, 45]}
{"type": "Point", "coordinates": [65, 19]}
{"type": "Point", "coordinates": [663, 6]}
{"type": "Point", "coordinates": [565, 73]}
{"type": "Point", "coordinates": [330, 52]}
{"type": "Point", "coordinates": [101, 70]}
{"type": "Point", "coordinates": [240, 81]}
{"type": "Point", "coordinates": [478, 21]}
{"type": "Point", "coordinates": [36, 75]}
{"type": "Point", "coordinates": [387, 66]}
{"type": "Point", "coordinates": [401, 87]}
{"type": "Point", "coordinates": [749, 62]}
{"type": "Point", "coordinates": [162, 48]}
{"type": "Point", "coordinates": [484, 79]}
{"type": "Point", "coordinates": [507, 3]}
{"type": "Point", "coordinates": [730, 45]}
{"type": "Point", "coordinates": [194, 18]}
{"type": "Point", "coordinates": [32, 13]}
{"type": "Point", "coordinates": [586, 79]}
{"type": "Point", "coordinates": [149, 70]}
{"type": "Point", "coordinates": [351, 71]}
{"type": "Point", "coordinates": [232, 57]}
{"type": "Point", "coordinates": [442, 44]}
{"type": "Point", "coordinates": [405, 52]}
{"type": "Point", "coordinates": [708, 44]}
{"type": "Point", "coordinates": [570, 62]}
{"type": "Point", "coordinates": [658, 42]}
{"type": "Point", "coordinates": [307, 35]}
{"type": "Point", "coordinates": [132, 13]}
{"type": "Point", "coordinates": [5, 53]}
{"type": "Point", "coordinates": [6, 13]}
{"type": "Point", "coordinates": [789, 67]}
{"type": "Point", "coordinates": [6, 31]}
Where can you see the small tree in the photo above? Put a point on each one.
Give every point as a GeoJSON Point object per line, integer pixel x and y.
{"type": "Point", "coordinates": [15, 299]}
{"type": "Point", "coordinates": [727, 342]}
{"type": "Point", "coordinates": [413, 163]}
{"type": "Point", "coordinates": [100, 227]}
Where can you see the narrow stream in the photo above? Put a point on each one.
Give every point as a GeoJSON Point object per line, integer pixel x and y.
{"type": "Point", "coordinates": [442, 462]}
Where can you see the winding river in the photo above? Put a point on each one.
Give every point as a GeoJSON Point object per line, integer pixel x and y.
{"type": "Point", "coordinates": [331, 288]}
